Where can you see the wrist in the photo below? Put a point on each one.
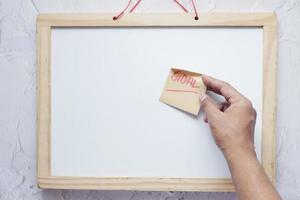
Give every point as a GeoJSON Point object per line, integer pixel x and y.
{"type": "Point", "coordinates": [239, 153]}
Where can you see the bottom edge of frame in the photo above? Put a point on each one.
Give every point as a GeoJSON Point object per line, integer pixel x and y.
{"type": "Point", "coordinates": [136, 184]}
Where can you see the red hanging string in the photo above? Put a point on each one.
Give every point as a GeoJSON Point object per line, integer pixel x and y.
{"type": "Point", "coordinates": [138, 2]}
{"type": "Point", "coordinates": [135, 5]}
{"type": "Point", "coordinates": [181, 6]}
{"type": "Point", "coordinates": [122, 12]}
{"type": "Point", "coordinates": [195, 9]}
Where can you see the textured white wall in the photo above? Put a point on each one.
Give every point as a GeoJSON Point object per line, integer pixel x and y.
{"type": "Point", "coordinates": [17, 94]}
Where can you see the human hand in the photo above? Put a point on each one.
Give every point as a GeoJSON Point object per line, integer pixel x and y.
{"type": "Point", "coordinates": [232, 122]}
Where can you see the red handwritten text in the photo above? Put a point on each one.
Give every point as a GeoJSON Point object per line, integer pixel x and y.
{"type": "Point", "coordinates": [183, 78]}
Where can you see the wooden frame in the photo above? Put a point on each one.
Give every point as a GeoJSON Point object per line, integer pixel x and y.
{"type": "Point", "coordinates": [44, 24]}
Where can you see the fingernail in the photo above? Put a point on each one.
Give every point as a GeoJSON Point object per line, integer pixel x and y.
{"type": "Point", "coordinates": [202, 98]}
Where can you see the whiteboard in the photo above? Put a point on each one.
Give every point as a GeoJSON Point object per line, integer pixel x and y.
{"type": "Point", "coordinates": [106, 119]}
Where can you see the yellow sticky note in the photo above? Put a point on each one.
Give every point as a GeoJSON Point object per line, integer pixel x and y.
{"type": "Point", "coordinates": [183, 90]}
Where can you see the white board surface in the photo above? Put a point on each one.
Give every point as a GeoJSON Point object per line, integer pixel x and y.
{"type": "Point", "coordinates": [106, 119]}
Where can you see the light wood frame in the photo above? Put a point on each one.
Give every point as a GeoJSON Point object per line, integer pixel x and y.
{"type": "Point", "coordinates": [47, 21]}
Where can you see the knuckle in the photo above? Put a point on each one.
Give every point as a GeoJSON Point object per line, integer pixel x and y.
{"type": "Point", "coordinates": [247, 103]}
{"type": "Point", "coordinates": [225, 86]}
{"type": "Point", "coordinates": [254, 112]}
{"type": "Point", "coordinates": [253, 116]}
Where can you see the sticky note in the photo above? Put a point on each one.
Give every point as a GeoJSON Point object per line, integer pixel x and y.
{"type": "Point", "coordinates": [183, 89]}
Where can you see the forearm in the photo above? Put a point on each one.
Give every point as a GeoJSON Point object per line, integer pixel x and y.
{"type": "Point", "coordinates": [249, 178]}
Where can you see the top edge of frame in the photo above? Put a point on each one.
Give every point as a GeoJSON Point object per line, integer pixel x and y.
{"type": "Point", "coordinates": [157, 19]}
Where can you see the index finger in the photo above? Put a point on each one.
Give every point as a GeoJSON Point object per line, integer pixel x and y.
{"type": "Point", "coordinates": [221, 88]}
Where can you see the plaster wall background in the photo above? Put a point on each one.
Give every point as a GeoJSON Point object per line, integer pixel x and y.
{"type": "Point", "coordinates": [17, 94]}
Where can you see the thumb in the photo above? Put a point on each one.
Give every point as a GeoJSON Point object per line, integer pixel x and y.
{"type": "Point", "coordinates": [210, 107]}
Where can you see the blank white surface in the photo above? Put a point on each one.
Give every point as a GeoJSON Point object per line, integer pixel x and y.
{"type": "Point", "coordinates": [106, 82]}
